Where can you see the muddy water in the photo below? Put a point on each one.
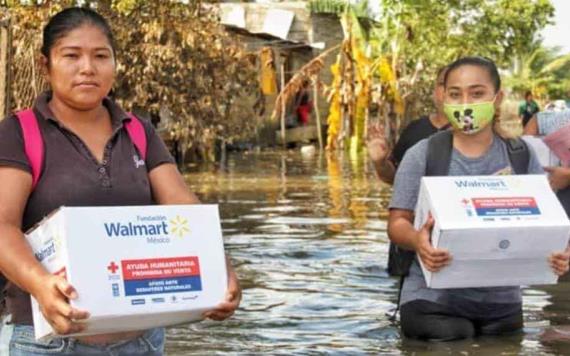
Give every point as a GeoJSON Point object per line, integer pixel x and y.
{"type": "Point", "coordinates": [308, 238]}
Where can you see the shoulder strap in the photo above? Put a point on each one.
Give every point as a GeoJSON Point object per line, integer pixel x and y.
{"type": "Point", "coordinates": [137, 133]}
{"type": "Point", "coordinates": [440, 146]}
{"type": "Point", "coordinates": [518, 155]}
{"type": "Point", "coordinates": [33, 142]}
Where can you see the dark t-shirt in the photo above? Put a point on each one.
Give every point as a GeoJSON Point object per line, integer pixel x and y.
{"type": "Point", "coordinates": [71, 175]}
{"type": "Point", "coordinates": [416, 131]}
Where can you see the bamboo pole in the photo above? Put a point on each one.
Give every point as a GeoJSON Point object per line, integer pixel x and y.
{"type": "Point", "coordinates": [33, 64]}
{"type": "Point", "coordinates": [4, 69]}
{"type": "Point", "coordinates": [283, 104]}
{"type": "Point", "coordinates": [317, 113]}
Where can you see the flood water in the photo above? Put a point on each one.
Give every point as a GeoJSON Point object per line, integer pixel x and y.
{"type": "Point", "coordinates": [307, 235]}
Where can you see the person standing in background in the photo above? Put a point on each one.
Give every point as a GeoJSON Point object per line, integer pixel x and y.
{"type": "Point", "coordinates": [527, 109]}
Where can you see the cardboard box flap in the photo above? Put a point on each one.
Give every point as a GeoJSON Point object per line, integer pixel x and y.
{"type": "Point", "coordinates": [489, 201]}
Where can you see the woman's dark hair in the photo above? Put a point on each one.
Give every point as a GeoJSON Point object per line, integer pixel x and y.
{"type": "Point", "coordinates": [70, 19]}
{"type": "Point", "coordinates": [440, 77]}
{"type": "Point", "coordinates": [481, 62]}
{"type": "Point", "coordinates": [527, 94]}
{"type": "Point", "coordinates": [442, 71]}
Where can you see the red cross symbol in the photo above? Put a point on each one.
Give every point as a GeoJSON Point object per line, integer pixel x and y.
{"type": "Point", "coordinates": [112, 267]}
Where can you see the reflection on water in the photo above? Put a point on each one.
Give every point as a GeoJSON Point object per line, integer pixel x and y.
{"type": "Point", "coordinates": [308, 238]}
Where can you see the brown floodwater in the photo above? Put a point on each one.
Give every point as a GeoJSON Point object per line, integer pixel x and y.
{"type": "Point", "coordinates": [307, 235]}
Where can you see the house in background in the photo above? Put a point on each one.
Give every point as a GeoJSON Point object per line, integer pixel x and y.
{"type": "Point", "coordinates": [294, 37]}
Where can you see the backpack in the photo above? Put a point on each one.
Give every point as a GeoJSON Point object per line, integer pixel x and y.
{"type": "Point", "coordinates": [34, 148]}
{"type": "Point", "coordinates": [440, 147]}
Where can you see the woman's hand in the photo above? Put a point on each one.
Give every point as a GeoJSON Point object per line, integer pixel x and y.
{"type": "Point", "coordinates": [559, 262]}
{"type": "Point", "coordinates": [376, 143]}
{"type": "Point", "coordinates": [434, 259]}
{"type": "Point", "coordinates": [559, 177]}
{"type": "Point", "coordinates": [233, 297]}
{"type": "Point", "coordinates": [53, 296]}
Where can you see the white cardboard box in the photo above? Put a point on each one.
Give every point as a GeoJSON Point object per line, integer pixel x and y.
{"type": "Point", "coordinates": [134, 267]}
{"type": "Point", "coordinates": [545, 156]}
{"type": "Point", "coordinates": [499, 230]}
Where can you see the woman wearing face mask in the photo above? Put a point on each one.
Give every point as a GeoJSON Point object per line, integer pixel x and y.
{"type": "Point", "coordinates": [472, 96]}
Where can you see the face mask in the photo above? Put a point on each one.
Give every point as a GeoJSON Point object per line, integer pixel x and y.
{"type": "Point", "coordinates": [470, 118]}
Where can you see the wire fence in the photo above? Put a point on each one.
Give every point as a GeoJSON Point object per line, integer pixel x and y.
{"type": "Point", "coordinates": [26, 73]}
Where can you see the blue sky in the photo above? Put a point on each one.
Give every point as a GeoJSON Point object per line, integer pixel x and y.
{"type": "Point", "coordinates": [559, 33]}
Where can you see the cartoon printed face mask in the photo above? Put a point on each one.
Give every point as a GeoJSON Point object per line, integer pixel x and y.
{"type": "Point", "coordinates": [470, 118]}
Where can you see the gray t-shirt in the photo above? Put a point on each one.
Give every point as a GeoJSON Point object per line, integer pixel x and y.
{"type": "Point", "coordinates": [405, 195]}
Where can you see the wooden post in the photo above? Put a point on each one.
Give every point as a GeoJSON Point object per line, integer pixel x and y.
{"type": "Point", "coordinates": [4, 68]}
{"type": "Point", "coordinates": [33, 66]}
{"type": "Point", "coordinates": [317, 113]}
{"type": "Point", "coordinates": [283, 106]}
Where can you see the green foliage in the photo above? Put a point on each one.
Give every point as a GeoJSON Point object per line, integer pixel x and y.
{"type": "Point", "coordinates": [543, 71]}
{"type": "Point", "coordinates": [422, 36]}
{"type": "Point", "coordinates": [337, 7]}
{"type": "Point", "coordinates": [175, 55]}
{"type": "Point", "coordinates": [170, 55]}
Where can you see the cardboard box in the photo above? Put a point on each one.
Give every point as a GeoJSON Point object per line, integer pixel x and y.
{"type": "Point", "coordinates": [499, 230]}
{"type": "Point", "coordinates": [545, 156]}
{"type": "Point", "coordinates": [134, 267]}
{"type": "Point", "coordinates": [559, 143]}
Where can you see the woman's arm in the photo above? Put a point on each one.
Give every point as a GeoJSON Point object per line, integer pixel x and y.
{"type": "Point", "coordinates": [168, 187]}
{"type": "Point", "coordinates": [18, 263]}
{"type": "Point", "coordinates": [401, 232]}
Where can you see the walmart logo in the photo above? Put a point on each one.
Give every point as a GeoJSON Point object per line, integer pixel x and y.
{"type": "Point", "coordinates": [132, 229]}
{"type": "Point", "coordinates": [156, 229]}
{"type": "Point", "coordinates": [47, 251]}
{"type": "Point", "coordinates": [179, 226]}
{"type": "Point", "coordinates": [491, 183]}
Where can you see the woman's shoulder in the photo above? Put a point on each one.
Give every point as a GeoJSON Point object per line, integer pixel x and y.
{"type": "Point", "coordinates": [145, 121]}
{"type": "Point", "coordinates": [419, 123]}
{"type": "Point", "coordinates": [9, 126]}
{"type": "Point", "coordinates": [12, 152]}
{"type": "Point", "coordinates": [417, 154]}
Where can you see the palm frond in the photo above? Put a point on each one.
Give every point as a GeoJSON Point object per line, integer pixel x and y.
{"type": "Point", "coordinates": [557, 63]}
{"type": "Point", "coordinates": [292, 87]}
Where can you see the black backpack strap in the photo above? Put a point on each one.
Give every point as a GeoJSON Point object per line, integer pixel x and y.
{"type": "Point", "coordinates": [519, 155]}
{"type": "Point", "coordinates": [440, 146]}
{"type": "Point", "coordinates": [394, 315]}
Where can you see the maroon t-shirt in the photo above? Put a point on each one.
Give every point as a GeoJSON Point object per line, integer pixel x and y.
{"type": "Point", "coordinates": [71, 175]}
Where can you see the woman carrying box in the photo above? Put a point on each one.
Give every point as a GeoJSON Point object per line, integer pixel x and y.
{"type": "Point", "coordinates": [543, 124]}
{"type": "Point", "coordinates": [89, 159]}
{"type": "Point", "coordinates": [472, 96]}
